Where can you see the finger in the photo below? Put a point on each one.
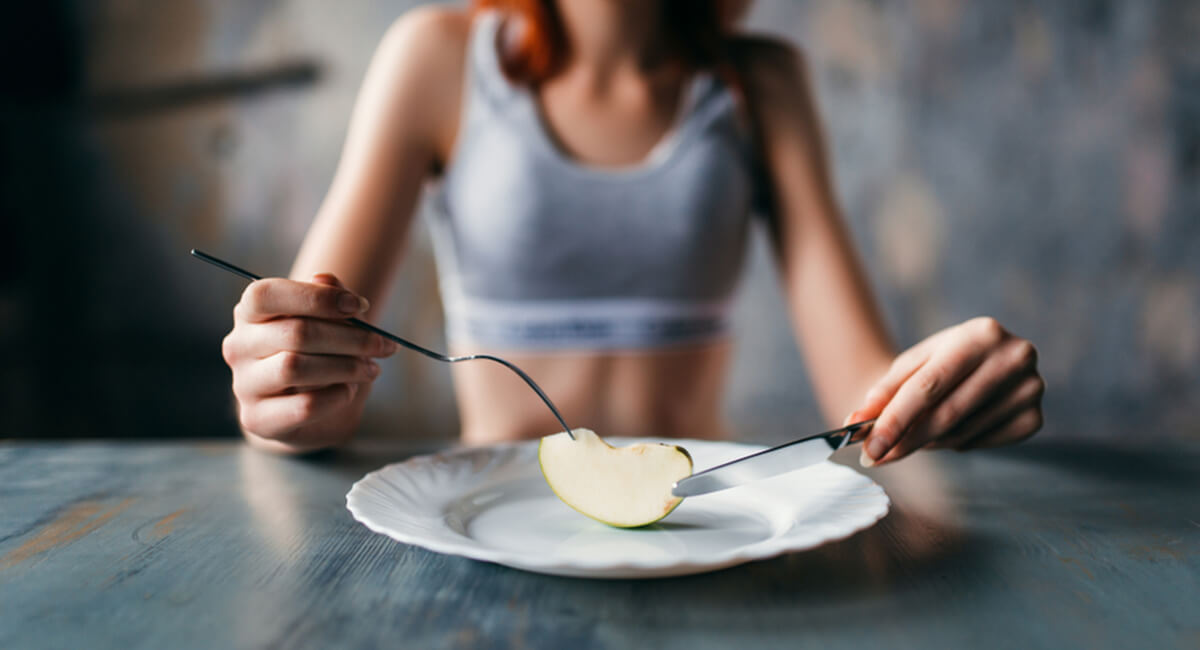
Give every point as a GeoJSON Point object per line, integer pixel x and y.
{"type": "Point", "coordinates": [271, 298]}
{"type": "Point", "coordinates": [1016, 426]}
{"type": "Point", "coordinates": [1015, 429]}
{"type": "Point", "coordinates": [1024, 395]}
{"type": "Point", "coordinates": [924, 389]}
{"type": "Point", "coordinates": [983, 331]}
{"type": "Point", "coordinates": [1000, 371]}
{"type": "Point", "coordinates": [883, 390]}
{"type": "Point", "coordinates": [311, 336]}
{"type": "Point", "coordinates": [289, 370]}
{"type": "Point", "coordinates": [278, 416]}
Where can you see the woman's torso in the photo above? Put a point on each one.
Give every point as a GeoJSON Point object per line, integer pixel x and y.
{"type": "Point", "coordinates": [660, 207]}
{"type": "Point", "coordinates": [670, 393]}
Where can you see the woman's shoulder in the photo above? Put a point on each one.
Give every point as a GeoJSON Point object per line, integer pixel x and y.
{"type": "Point", "coordinates": [432, 33]}
{"type": "Point", "coordinates": [424, 48]}
{"type": "Point", "coordinates": [417, 73]}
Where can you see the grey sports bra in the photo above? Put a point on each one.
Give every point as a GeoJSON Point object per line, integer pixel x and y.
{"type": "Point", "coordinates": [536, 251]}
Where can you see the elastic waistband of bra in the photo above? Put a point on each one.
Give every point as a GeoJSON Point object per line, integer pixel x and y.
{"type": "Point", "coordinates": [617, 323]}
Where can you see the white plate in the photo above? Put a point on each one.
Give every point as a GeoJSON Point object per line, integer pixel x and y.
{"type": "Point", "coordinates": [492, 504]}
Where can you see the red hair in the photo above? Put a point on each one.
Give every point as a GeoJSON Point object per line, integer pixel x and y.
{"type": "Point", "coordinates": [697, 36]}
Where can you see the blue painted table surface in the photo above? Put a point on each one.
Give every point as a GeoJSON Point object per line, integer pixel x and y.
{"type": "Point", "coordinates": [214, 545]}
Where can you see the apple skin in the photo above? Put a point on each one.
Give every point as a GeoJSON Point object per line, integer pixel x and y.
{"type": "Point", "coordinates": [623, 487]}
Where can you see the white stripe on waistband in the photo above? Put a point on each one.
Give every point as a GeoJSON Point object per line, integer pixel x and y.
{"type": "Point", "coordinates": [587, 323]}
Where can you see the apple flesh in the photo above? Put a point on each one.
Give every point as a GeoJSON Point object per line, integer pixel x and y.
{"type": "Point", "coordinates": [624, 487]}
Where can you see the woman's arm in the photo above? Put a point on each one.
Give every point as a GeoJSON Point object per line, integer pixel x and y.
{"type": "Point", "coordinates": [971, 385]}
{"type": "Point", "coordinates": [301, 374]}
{"type": "Point", "coordinates": [837, 323]}
{"type": "Point", "coordinates": [403, 124]}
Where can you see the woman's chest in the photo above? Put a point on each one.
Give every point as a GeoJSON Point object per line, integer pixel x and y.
{"type": "Point", "coordinates": [674, 226]}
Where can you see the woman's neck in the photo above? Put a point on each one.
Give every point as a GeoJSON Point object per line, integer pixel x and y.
{"type": "Point", "coordinates": [608, 37]}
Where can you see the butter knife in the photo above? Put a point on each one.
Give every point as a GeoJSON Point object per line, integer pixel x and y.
{"type": "Point", "coordinates": [770, 462]}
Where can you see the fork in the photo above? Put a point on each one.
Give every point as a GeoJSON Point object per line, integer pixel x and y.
{"type": "Point", "coordinates": [237, 270]}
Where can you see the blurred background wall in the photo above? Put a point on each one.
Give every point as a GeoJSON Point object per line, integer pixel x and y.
{"type": "Point", "coordinates": [1036, 161]}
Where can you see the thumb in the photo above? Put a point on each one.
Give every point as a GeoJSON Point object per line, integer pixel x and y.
{"type": "Point", "coordinates": [331, 280]}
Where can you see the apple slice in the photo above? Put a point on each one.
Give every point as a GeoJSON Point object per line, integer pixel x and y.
{"type": "Point", "coordinates": [624, 487]}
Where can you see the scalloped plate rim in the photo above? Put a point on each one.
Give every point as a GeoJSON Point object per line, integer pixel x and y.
{"type": "Point", "coordinates": [866, 516]}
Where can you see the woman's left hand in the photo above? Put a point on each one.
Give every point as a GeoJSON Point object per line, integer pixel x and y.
{"type": "Point", "coordinates": [971, 385]}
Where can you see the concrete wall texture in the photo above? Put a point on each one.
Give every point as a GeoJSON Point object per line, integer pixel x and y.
{"type": "Point", "coordinates": [1035, 161]}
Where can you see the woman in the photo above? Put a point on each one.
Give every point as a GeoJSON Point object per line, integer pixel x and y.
{"type": "Point", "coordinates": [597, 162]}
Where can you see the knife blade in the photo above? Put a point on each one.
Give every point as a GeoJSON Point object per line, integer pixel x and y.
{"type": "Point", "coordinates": [770, 462]}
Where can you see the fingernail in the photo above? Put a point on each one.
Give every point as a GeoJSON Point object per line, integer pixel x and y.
{"type": "Point", "coordinates": [875, 448]}
{"type": "Point", "coordinates": [372, 369]}
{"type": "Point", "coordinates": [865, 460]}
{"type": "Point", "coordinates": [352, 304]}
{"type": "Point", "coordinates": [383, 346]}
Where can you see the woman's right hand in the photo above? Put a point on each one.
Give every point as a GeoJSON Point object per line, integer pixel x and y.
{"type": "Point", "coordinates": [300, 371]}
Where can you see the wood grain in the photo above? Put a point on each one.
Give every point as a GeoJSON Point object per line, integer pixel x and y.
{"type": "Point", "coordinates": [215, 545]}
{"type": "Point", "coordinates": [73, 523]}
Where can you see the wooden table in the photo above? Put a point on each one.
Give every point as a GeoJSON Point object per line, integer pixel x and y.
{"type": "Point", "coordinates": [214, 545]}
